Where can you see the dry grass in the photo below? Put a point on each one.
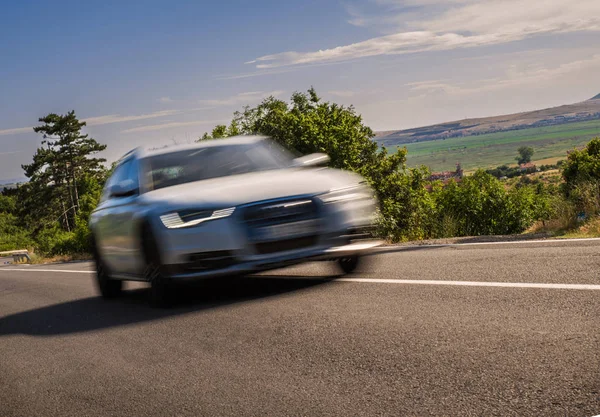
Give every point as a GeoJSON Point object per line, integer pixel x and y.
{"type": "Point", "coordinates": [549, 161]}
{"type": "Point", "coordinates": [590, 228]}
{"type": "Point", "coordinates": [565, 227]}
{"type": "Point", "coordinates": [38, 259]}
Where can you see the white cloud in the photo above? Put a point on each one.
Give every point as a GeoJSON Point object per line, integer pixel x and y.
{"type": "Point", "coordinates": [518, 17]}
{"type": "Point", "coordinates": [400, 43]}
{"type": "Point", "coordinates": [242, 98]}
{"type": "Point", "coordinates": [452, 25]}
{"type": "Point", "coordinates": [166, 100]}
{"type": "Point", "coordinates": [171, 125]}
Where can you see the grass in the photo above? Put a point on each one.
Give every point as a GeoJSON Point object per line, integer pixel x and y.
{"type": "Point", "coordinates": [490, 150]}
{"type": "Point", "coordinates": [565, 227]}
{"type": "Point", "coordinates": [590, 228]}
{"type": "Point", "coordinates": [38, 259]}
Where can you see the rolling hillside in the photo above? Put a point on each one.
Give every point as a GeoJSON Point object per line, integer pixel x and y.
{"type": "Point", "coordinates": [571, 113]}
{"type": "Point", "coordinates": [493, 141]}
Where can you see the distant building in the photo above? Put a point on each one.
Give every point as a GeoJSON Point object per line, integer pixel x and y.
{"type": "Point", "coordinates": [447, 175]}
{"type": "Point", "coordinates": [528, 167]}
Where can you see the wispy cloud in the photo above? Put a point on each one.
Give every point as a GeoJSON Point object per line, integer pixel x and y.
{"type": "Point", "coordinates": [16, 131]}
{"type": "Point", "coordinates": [342, 93]}
{"type": "Point", "coordinates": [263, 72]}
{"type": "Point", "coordinates": [253, 74]}
{"type": "Point", "coordinates": [453, 25]}
{"type": "Point", "coordinates": [400, 43]}
{"type": "Point", "coordinates": [117, 118]}
{"type": "Point", "coordinates": [165, 100]}
{"type": "Point", "coordinates": [108, 119]}
{"type": "Point", "coordinates": [242, 98]}
{"type": "Point", "coordinates": [171, 125]}
{"type": "Point", "coordinates": [513, 77]}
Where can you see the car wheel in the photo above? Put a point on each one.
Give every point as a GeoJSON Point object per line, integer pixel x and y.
{"type": "Point", "coordinates": [109, 288]}
{"type": "Point", "coordinates": [348, 264]}
{"type": "Point", "coordinates": [161, 288]}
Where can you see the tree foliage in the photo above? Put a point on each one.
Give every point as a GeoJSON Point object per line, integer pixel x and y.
{"type": "Point", "coordinates": [308, 125]}
{"type": "Point", "coordinates": [59, 166]}
{"type": "Point", "coordinates": [582, 165]}
{"type": "Point", "coordinates": [525, 154]}
{"type": "Point", "coordinates": [581, 174]}
{"type": "Point", "coordinates": [221, 131]}
{"type": "Point", "coordinates": [481, 205]}
{"type": "Point", "coordinates": [12, 235]}
{"type": "Point", "coordinates": [65, 181]}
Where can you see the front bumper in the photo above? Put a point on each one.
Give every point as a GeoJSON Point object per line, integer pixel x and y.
{"type": "Point", "coordinates": [277, 261]}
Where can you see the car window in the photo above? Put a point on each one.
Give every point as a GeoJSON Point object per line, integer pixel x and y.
{"type": "Point", "coordinates": [121, 173]}
{"type": "Point", "coordinates": [190, 165]}
{"type": "Point", "coordinates": [133, 172]}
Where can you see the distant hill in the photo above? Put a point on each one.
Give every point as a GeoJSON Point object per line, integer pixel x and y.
{"type": "Point", "coordinates": [578, 112]}
{"type": "Point", "coordinates": [13, 180]}
{"type": "Point", "coordinates": [11, 183]}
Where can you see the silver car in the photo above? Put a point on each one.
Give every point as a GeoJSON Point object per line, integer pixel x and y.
{"type": "Point", "coordinates": [225, 207]}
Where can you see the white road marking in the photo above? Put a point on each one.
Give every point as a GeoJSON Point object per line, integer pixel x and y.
{"type": "Point", "coordinates": [473, 283]}
{"type": "Point", "coordinates": [394, 281]}
{"type": "Point", "coordinates": [506, 242]}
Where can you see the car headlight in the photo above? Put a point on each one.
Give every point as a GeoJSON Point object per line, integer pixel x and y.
{"type": "Point", "coordinates": [189, 218]}
{"type": "Point", "coordinates": [346, 194]}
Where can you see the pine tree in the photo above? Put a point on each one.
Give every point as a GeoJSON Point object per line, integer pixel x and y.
{"type": "Point", "coordinates": [66, 156]}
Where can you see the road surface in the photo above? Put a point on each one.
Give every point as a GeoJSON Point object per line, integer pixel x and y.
{"type": "Point", "coordinates": [500, 329]}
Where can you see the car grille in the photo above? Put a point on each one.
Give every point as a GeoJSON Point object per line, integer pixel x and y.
{"type": "Point", "coordinates": [203, 261]}
{"type": "Point", "coordinates": [285, 245]}
{"type": "Point", "coordinates": [282, 225]}
{"type": "Point", "coordinates": [211, 260]}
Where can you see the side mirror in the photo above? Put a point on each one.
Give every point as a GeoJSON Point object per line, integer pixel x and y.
{"type": "Point", "coordinates": [124, 188]}
{"type": "Point", "coordinates": [312, 160]}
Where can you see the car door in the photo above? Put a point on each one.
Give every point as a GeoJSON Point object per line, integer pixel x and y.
{"type": "Point", "coordinates": [114, 225]}
{"type": "Point", "coordinates": [122, 215]}
{"type": "Point", "coordinates": [106, 228]}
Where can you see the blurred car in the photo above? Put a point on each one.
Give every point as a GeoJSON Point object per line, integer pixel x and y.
{"type": "Point", "coordinates": [225, 207]}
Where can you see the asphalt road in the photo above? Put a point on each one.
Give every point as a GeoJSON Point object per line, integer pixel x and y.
{"type": "Point", "coordinates": [469, 337]}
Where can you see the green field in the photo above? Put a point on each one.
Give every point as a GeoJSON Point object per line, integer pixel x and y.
{"type": "Point", "coordinates": [493, 149]}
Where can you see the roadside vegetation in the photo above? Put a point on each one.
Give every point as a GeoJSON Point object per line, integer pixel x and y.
{"type": "Point", "coordinates": [49, 213]}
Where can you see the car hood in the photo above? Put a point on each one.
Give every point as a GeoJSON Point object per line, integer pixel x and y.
{"type": "Point", "coordinates": [241, 189]}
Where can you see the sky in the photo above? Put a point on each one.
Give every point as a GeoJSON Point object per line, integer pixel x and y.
{"type": "Point", "coordinates": [148, 73]}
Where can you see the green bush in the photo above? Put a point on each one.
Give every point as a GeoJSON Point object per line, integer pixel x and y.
{"type": "Point", "coordinates": [55, 241]}
{"type": "Point", "coordinates": [12, 236]}
{"type": "Point", "coordinates": [581, 174]}
{"type": "Point", "coordinates": [481, 205]}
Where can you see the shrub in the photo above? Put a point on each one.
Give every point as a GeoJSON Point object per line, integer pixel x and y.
{"type": "Point", "coordinates": [12, 236]}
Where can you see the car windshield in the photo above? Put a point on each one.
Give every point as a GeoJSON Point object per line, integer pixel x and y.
{"type": "Point", "coordinates": [168, 169]}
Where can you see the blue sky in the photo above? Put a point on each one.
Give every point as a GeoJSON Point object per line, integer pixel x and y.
{"type": "Point", "coordinates": [150, 72]}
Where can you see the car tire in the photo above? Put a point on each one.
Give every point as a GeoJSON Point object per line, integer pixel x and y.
{"type": "Point", "coordinates": [108, 287]}
{"type": "Point", "coordinates": [161, 287]}
{"type": "Point", "coordinates": [349, 264]}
